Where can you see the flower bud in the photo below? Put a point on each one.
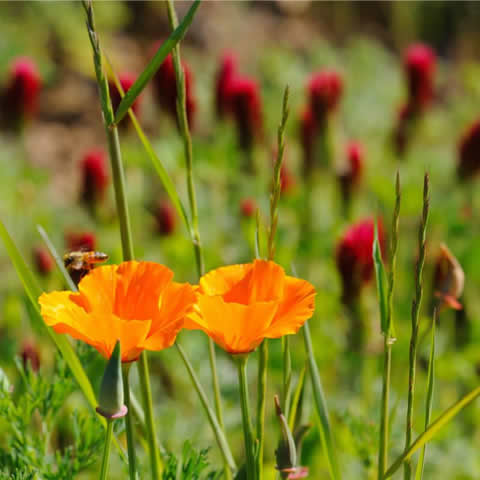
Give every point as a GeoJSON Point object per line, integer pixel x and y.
{"type": "Point", "coordinates": [248, 207]}
{"type": "Point", "coordinates": [42, 260]}
{"type": "Point", "coordinates": [354, 257]}
{"type": "Point", "coordinates": [165, 218]}
{"type": "Point", "coordinates": [448, 279]}
{"type": "Point", "coordinates": [110, 399]}
{"type": "Point", "coordinates": [420, 70]}
{"type": "Point", "coordinates": [94, 176]}
{"type": "Point", "coordinates": [307, 138]}
{"type": "Point", "coordinates": [246, 105]}
{"type": "Point", "coordinates": [80, 241]}
{"type": "Point", "coordinates": [227, 70]}
{"type": "Point", "coordinates": [126, 80]}
{"type": "Point", "coordinates": [325, 90]}
{"type": "Point", "coordinates": [20, 96]}
{"type": "Point", "coordinates": [165, 89]}
{"type": "Point", "coordinates": [469, 152]}
{"type": "Point", "coordinates": [29, 353]}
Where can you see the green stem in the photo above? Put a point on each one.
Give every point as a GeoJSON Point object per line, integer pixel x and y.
{"type": "Point", "coordinates": [415, 324]}
{"type": "Point", "coordinates": [384, 420]}
{"type": "Point", "coordinates": [132, 469]}
{"type": "Point", "coordinates": [287, 375]}
{"type": "Point", "coordinates": [217, 430]}
{"type": "Point", "coordinates": [192, 198]}
{"type": "Point", "coordinates": [261, 399]}
{"type": "Point", "coordinates": [144, 377]}
{"type": "Point", "coordinates": [241, 361]}
{"type": "Point", "coordinates": [106, 451]}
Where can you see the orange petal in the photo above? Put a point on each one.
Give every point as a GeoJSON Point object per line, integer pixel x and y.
{"type": "Point", "coordinates": [97, 289]}
{"type": "Point", "coordinates": [295, 309]}
{"type": "Point", "coordinates": [176, 303]}
{"type": "Point", "coordinates": [263, 283]}
{"type": "Point", "coordinates": [223, 279]}
{"type": "Point", "coordinates": [236, 328]}
{"type": "Point", "coordinates": [139, 286]}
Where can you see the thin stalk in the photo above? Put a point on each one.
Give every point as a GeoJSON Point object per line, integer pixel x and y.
{"type": "Point", "coordinates": [192, 198]}
{"type": "Point", "coordinates": [261, 403]}
{"type": "Point", "coordinates": [132, 469]}
{"type": "Point", "coordinates": [118, 177]}
{"type": "Point", "coordinates": [144, 376]}
{"type": "Point", "coordinates": [106, 451]}
{"type": "Point", "coordinates": [287, 375]}
{"type": "Point", "coordinates": [241, 361]}
{"type": "Point", "coordinates": [415, 325]}
{"type": "Point", "coordinates": [217, 430]}
{"type": "Point", "coordinates": [388, 340]}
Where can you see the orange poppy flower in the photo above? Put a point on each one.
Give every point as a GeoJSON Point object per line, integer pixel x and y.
{"type": "Point", "coordinates": [134, 302]}
{"type": "Point", "coordinates": [240, 305]}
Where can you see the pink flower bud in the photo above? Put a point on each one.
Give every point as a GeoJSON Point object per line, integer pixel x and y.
{"type": "Point", "coordinates": [325, 90]}
{"type": "Point", "coordinates": [248, 207]}
{"type": "Point", "coordinates": [43, 261]}
{"type": "Point", "coordinates": [246, 105]}
{"type": "Point", "coordinates": [94, 176]}
{"type": "Point", "coordinates": [469, 152]}
{"type": "Point", "coordinates": [126, 80]}
{"type": "Point", "coordinates": [29, 353]}
{"type": "Point", "coordinates": [420, 69]}
{"type": "Point", "coordinates": [20, 96]}
{"type": "Point", "coordinates": [165, 218]}
{"type": "Point", "coordinates": [307, 136]}
{"type": "Point", "coordinates": [354, 257]}
{"type": "Point", "coordinates": [226, 72]}
{"type": "Point", "coordinates": [85, 241]}
{"type": "Point", "coordinates": [165, 89]}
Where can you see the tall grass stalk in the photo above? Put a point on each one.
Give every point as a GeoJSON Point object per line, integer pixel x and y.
{"type": "Point", "coordinates": [194, 233]}
{"type": "Point", "coordinates": [132, 461]}
{"type": "Point", "coordinates": [388, 339]}
{"type": "Point", "coordinates": [415, 324]}
{"type": "Point", "coordinates": [118, 176]}
{"type": "Point", "coordinates": [106, 451]}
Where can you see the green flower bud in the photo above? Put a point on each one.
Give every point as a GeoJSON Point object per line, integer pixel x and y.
{"type": "Point", "coordinates": [110, 398]}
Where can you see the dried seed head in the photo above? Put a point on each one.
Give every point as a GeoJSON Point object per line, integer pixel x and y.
{"type": "Point", "coordinates": [448, 279]}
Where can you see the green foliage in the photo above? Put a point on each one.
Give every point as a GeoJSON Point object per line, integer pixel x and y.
{"type": "Point", "coordinates": [35, 444]}
{"type": "Point", "coordinates": [192, 465]}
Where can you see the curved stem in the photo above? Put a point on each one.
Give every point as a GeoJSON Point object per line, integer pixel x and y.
{"type": "Point", "coordinates": [217, 430]}
{"type": "Point", "coordinates": [384, 420]}
{"type": "Point", "coordinates": [241, 361]}
{"type": "Point", "coordinates": [132, 469]}
{"type": "Point", "coordinates": [144, 376]}
{"type": "Point", "coordinates": [106, 451]}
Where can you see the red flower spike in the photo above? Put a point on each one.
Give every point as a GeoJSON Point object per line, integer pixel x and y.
{"type": "Point", "coordinates": [20, 96]}
{"type": "Point", "coordinates": [29, 353]}
{"type": "Point", "coordinates": [420, 69]}
{"type": "Point", "coordinates": [85, 241]}
{"type": "Point", "coordinates": [165, 89]}
{"type": "Point", "coordinates": [94, 176]}
{"type": "Point", "coordinates": [43, 261]}
{"type": "Point", "coordinates": [248, 207]}
{"type": "Point", "coordinates": [226, 72]}
{"type": "Point", "coordinates": [354, 257]}
{"type": "Point", "coordinates": [165, 218]}
{"type": "Point", "coordinates": [245, 101]}
{"type": "Point", "coordinates": [469, 152]}
{"type": "Point", "coordinates": [325, 91]}
{"type": "Point", "coordinates": [126, 80]}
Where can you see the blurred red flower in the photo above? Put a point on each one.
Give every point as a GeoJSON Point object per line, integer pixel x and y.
{"type": "Point", "coordinates": [248, 207]}
{"type": "Point", "coordinates": [42, 260]}
{"type": "Point", "coordinates": [126, 80]}
{"type": "Point", "coordinates": [354, 257]}
{"type": "Point", "coordinates": [94, 176]}
{"type": "Point", "coordinates": [165, 217]}
{"type": "Point", "coordinates": [85, 241]}
{"type": "Point", "coordinates": [325, 90]}
{"type": "Point", "coordinates": [469, 152]}
{"type": "Point", "coordinates": [226, 72]}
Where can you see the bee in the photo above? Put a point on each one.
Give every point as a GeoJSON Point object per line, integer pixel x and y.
{"type": "Point", "coordinates": [79, 263]}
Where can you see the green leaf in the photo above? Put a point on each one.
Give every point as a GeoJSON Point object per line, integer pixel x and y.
{"type": "Point", "coordinates": [59, 262]}
{"type": "Point", "coordinates": [429, 399]}
{"type": "Point", "coordinates": [33, 292]}
{"type": "Point", "coordinates": [433, 429]}
{"type": "Point", "coordinates": [296, 398]}
{"type": "Point", "coordinates": [155, 63]}
{"type": "Point", "coordinates": [160, 169]}
{"type": "Point", "coordinates": [381, 285]}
